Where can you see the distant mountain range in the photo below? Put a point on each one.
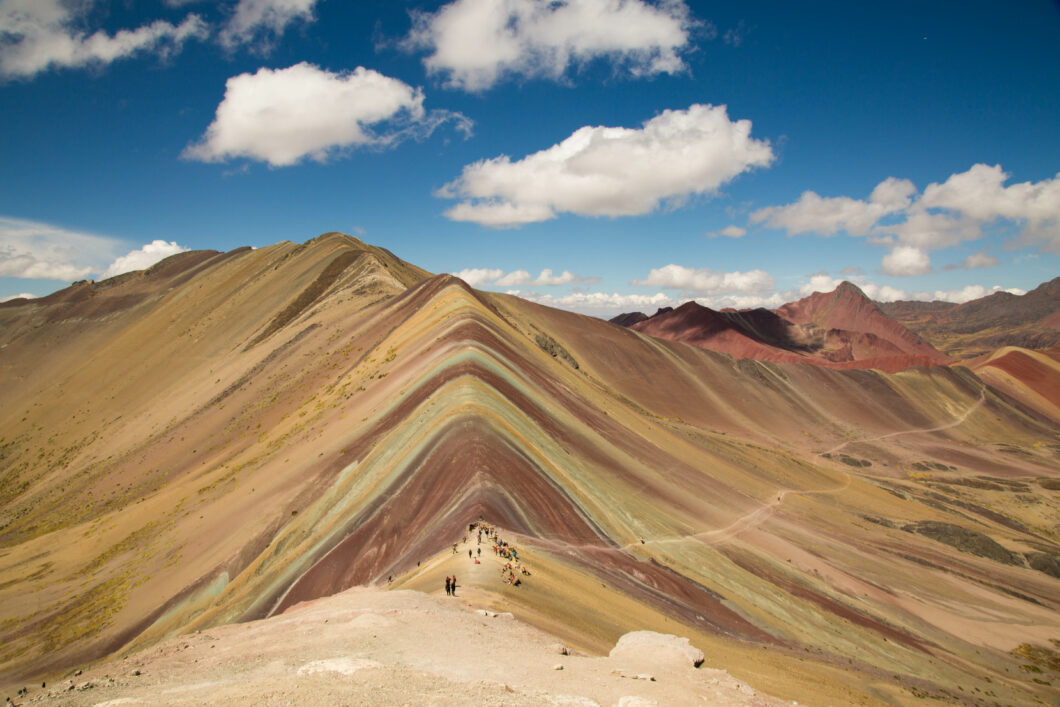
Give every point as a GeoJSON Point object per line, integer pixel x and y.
{"type": "Point", "coordinates": [980, 326]}
{"type": "Point", "coordinates": [845, 329]}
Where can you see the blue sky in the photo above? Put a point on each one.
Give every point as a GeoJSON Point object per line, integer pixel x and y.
{"type": "Point", "coordinates": [597, 155]}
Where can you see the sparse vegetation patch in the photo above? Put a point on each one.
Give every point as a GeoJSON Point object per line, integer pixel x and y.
{"type": "Point", "coordinates": [551, 347]}
{"type": "Point", "coordinates": [848, 460]}
{"type": "Point", "coordinates": [932, 466]}
{"type": "Point", "coordinates": [1039, 656]}
{"type": "Point", "coordinates": [964, 540]}
{"type": "Point", "coordinates": [1045, 562]}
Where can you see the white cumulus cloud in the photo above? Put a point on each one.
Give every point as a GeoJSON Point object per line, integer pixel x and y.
{"type": "Point", "coordinates": [975, 261]}
{"type": "Point", "coordinates": [253, 19]}
{"type": "Point", "coordinates": [965, 294]}
{"type": "Point", "coordinates": [980, 260]}
{"type": "Point", "coordinates": [744, 301]}
{"type": "Point", "coordinates": [883, 293]}
{"type": "Point", "coordinates": [515, 278]}
{"type": "Point", "coordinates": [980, 194]}
{"type": "Point", "coordinates": [600, 171]}
{"type": "Point", "coordinates": [819, 282]}
{"type": "Point", "coordinates": [945, 215]}
{"type": "Point", "coordinates": [707, 281]}
{"type": "Point", "coordinates": [548, 278]}
{"type": "Point", "coordinates": [21, 295]}
{"type": "Point", "coordinates": [826, 216]}
{"type": "Point", "coordinates": [906, 260]}
{"type": "Point", "coordinates": [601, 304]}
{"type": "Point", "coordinates": [610, 304]}
{"type": "Point", "coordinates": [36, 35]}
{"type": "Point", "coordinates": [476, 43]}
{"type": "Point", "coordinates": [35, 250]}
{"type": "Point", "coordinates": [282, 116]}
{"type": "Point", "coordinates": [142, 258]}
{"type": "Point", "coordinates": [729, 232]}
{"type": "Point", "coordinates": [477, 277]}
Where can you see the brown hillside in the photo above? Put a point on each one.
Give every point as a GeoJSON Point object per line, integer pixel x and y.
{"type": "Point", "coordinates": [981, 326]}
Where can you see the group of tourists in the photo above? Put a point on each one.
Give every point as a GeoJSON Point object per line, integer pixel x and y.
{"type": "Point", "coordinates": [513, 569]}
{"type": "Point", "coordinates": [509, 552]}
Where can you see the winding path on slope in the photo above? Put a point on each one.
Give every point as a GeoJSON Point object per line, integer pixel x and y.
{"type": "Point", "coordinates": [715, 536]}
{"type": "Point", "coordinates": [759, 515]}
{"type": "Point", "coordinates": [949, 425]}
{"type": "Point", "coordinates": [748, 520]}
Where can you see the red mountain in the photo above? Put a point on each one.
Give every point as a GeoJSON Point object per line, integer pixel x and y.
{"type": "Point", "coordinates": [856, 330]}
{"type": "Point", "coordinates": [840, 329]}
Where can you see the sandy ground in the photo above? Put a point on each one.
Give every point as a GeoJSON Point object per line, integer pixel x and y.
{"type": "Point", "coordinates": [373, 646]}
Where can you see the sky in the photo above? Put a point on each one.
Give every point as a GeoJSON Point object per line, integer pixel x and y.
{"type": "Point", "coordinates": [602, 156]}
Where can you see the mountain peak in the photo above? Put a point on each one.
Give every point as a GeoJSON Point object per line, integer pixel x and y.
{"type": "Point", "coordinates": [337, 237]}
{"type": "Point", "coordinates": [849, 289]}
{"type": "Point", "coordinates": [836, 309]}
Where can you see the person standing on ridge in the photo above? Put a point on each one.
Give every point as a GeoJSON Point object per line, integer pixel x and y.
{"type": "Point", "coordinates": [454, 585]}
{"type": "Point", "coordinates": [448, 585]}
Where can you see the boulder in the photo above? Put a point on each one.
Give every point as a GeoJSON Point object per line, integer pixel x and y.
{"type": "Point", "coordinates": [648, 648]}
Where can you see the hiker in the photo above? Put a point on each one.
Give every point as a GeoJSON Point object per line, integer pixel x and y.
{"type": "Point", "coordinates": [454, 585]}
{"type": "Point", "coordinates": [448, 585]}
{"type": "Point", "coordinates": [480, 552]}
{"type": "Point", "coordinates": [469, 553]}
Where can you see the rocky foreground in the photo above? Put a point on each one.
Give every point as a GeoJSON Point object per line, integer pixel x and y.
{"type": "Point", "coordinates": [373, 646]}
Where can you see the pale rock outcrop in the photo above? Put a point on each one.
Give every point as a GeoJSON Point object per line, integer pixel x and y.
{"type": "Point", "coordinates": [644, 649]}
